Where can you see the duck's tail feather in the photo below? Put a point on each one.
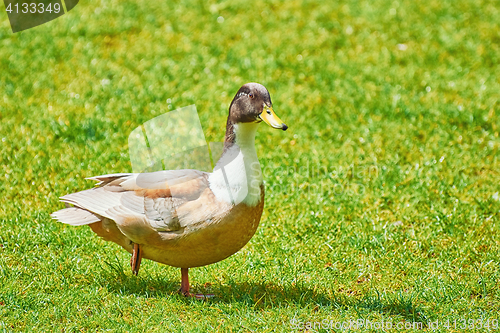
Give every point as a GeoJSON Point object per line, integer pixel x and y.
{"type": "Point", "coordinates": [75, 216]}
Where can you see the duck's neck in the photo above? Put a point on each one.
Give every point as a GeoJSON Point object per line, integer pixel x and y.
{"type": "Point", "coordinates": [237, 177]}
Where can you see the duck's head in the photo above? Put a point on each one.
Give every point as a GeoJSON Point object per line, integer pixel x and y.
{"type": "Point", "coordinates": [252, 104]}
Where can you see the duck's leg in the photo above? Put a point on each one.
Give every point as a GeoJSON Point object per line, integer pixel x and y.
{"type": "Point", "coordinates": [185, 282]}
{"type": "Point", "coordinates": [185, 286]}
{"type": "Point", "coordinates": [135, 261]}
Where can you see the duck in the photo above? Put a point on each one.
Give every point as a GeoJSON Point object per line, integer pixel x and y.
{"type": "Point", "coordinates": [184, 218]}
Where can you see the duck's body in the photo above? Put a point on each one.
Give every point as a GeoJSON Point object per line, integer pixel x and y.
{"type": "Point", "coordinates": [185, 218]}
{"type": "Point", "coordinates": [181, 218]}
{"type": "Point", "coordinates": [206, 231]}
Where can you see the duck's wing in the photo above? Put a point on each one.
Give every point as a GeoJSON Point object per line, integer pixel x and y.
{"type": "Point", "coordinates": [141, 204]}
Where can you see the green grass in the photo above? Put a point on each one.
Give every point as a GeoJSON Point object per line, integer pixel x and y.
{"type": "Point", "coordinates": [397, 101]}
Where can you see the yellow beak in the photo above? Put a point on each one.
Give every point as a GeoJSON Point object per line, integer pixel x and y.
{"type": "Point", "coordinates": [272, 119]}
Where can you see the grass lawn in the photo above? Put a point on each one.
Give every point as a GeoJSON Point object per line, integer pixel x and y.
{"type": "Point", "coordinates": [383, 197]}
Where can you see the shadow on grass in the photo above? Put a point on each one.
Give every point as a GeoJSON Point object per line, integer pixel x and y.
{"type": "Point", "coordinates": [262, 295]}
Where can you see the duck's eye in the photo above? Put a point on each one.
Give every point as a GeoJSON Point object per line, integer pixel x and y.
{"type": "Point", "coordinates": [251, 95]}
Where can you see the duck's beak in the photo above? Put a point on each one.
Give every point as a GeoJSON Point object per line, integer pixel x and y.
{"type": "Point", "coordinates": [271, 118]}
